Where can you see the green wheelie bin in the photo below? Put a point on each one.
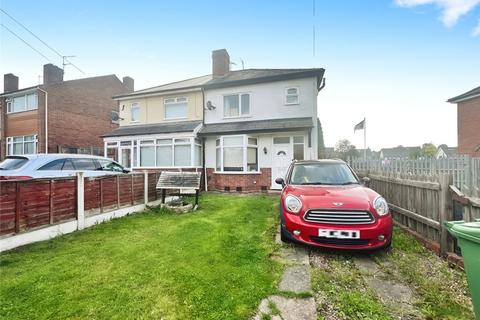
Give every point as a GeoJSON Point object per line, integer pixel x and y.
{"type": "Point", "coordinates": [468, 236]}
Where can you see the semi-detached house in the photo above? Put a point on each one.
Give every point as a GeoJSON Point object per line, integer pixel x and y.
{"type": "Point", "coordinates": [240, 128]}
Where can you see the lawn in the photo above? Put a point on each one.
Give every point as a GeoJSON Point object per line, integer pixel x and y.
{"type": "Point", "coordinates": [211, 264]}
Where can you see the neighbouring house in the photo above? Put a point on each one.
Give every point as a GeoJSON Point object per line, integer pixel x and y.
{"type": "Point", "coordinates": [158, 127]}
{"type": "Point", "coordinates": [400, 152]}
{"type": "Point", "coordinates": [58, 116]}
{"type": "Point", "coordinates": [444, 151]}
{"type": "Point", "coordinates": [243, 127]}
{"type": "Point", "coordinates": [468, 122]}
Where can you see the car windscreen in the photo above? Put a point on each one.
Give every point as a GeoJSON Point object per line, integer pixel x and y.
{"type": "Point", "coordinates": [322, 174]}
{"type": "Point", "coordinates": [12, 163]}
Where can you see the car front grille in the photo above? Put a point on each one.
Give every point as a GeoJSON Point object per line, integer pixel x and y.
{"type": "Point", "coordinates": [340, 242]}
{"type": "Point", "coordinates": [339, 216]}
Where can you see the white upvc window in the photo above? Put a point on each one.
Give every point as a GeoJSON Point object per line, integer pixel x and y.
{"type": "Point", "coordinates": [25, 102]}
{"type": "Point", "coordinates": [170, 152]}
{"type": "Point", "coordinates": [299, 148]}
{"type": "Point", "coordinates": [176, 108]}
{"type": "Point", "coordinates": [22, 145]}
{"type": "Point", "coordinates": [134, 112]}
{"type": "Point", "coordinates": [237, 153]}
{"type": "Point", "coordinates": [236, 105]}
{"type": "Point", "coordinates": [291, 95]}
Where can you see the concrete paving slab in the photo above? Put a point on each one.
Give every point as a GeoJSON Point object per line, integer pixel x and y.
{"type": "Point", "coordinates": [296, 279]}
{"type": "Point", "coordinates": [295, 309]}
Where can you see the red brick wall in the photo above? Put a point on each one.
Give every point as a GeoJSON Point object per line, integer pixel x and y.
{"type": "Point", "coordinates": [79, 111]}
{"type": "Point", "coordinates": [248, 182]}
{"type": "Point", "coordinates": [469, 127]}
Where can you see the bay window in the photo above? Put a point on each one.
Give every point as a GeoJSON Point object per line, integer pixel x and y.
{"type": "Point", "coordinates": [21, 103]}
{"type": "Point", "coordinates": [22, 145]}
{"type": "Point", "coordinates": [176, 108]}
{"type": "Point", "coordinates": [158, 152]}
{"type": "Point", "coordinates": [236, 105]}
{"type": "Point", "coordinates": [236, 154]}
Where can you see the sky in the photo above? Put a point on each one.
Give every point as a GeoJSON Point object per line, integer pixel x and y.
{"type": "Point", "coordinates": [393, 62]}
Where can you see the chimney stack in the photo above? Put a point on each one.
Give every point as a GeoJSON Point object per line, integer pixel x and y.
{"type": "Point", "coordinates": [52, 74]}
{"type": "Point", "coordinates": [128, 83]}
{"type": "Point", "coordinates": [10, 82]}
{"type": "Point", "coordinates": [220, 63]}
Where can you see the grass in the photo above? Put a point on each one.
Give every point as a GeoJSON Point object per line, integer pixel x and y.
{"type": "Point", "coordinates": [344, 292]}
{"type": "Point", "coordinates": [442, 291]}
{"type": "Point", "coordinates": [212, 264]}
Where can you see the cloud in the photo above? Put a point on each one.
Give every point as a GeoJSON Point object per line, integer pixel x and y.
{"type": "Point", "coordinates": [452, 10]}
{"type": "Point", "coordinates": [476, 31]}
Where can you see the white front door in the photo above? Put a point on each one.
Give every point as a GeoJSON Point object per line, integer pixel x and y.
{"type": "Point", "coordinates": [282, 157]}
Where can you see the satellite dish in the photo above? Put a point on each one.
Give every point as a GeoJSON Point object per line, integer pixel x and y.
{"type": "Point", "coordinates": [210, 106]}
{"type": "Point", "coordinates": [114, 116]}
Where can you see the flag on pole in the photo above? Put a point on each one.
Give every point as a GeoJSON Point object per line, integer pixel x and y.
{"type": "Point", "coordinates": [359, 126]}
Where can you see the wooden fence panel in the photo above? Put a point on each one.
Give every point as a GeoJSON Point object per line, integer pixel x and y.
{"type": "Point", "coordinates": [8, 200]}
{"type": "Point", "coordinates": [92, 195]}
{"type": "Point", "coordinates": [64, 200]}
{"type": "Point", "coordinates": [109, 192]}
{"type": "Point", "coordinates": [138, 187]}
{"type": "Point", "coordinates": [125, 190]}
{"type": "Point", "coordinates": [34, 210]}
{"type": "Point", "coordinates": [152, 185]}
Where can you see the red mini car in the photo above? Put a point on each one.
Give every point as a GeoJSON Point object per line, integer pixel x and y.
{"type": "Point", "coordinates": [324, 204]}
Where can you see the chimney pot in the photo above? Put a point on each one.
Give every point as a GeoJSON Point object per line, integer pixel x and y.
{"type": "Point", "coordinates": [129, 84]}
{"type": "Point", "coordinates": [10, 82]}
{"type": "Point", "coordinates": [52, 74]}
{"type": "Point", "coordinates": [220, 63]}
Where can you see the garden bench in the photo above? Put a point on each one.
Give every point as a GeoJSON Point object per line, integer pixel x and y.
{"type": "Point", "coordinates": [187, 183]}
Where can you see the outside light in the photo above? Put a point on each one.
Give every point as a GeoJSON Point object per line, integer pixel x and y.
{"type": "Point", "coordinates": [293, 204]}
{"type": "Point", "coordinates": [381, 206]}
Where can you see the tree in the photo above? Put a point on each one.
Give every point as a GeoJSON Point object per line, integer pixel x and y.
{"type": "Point", "coordinates": [321, 143]}
{"type": "Point", "coordinates": [429, 150]}
{"type": "Point", "coordinates": [345, 149]}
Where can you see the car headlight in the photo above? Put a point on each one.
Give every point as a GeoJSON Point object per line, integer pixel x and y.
{"type": "Point", "coordinates": [293, 204]}
{"type": "Point", "coordinates": [381, 206]}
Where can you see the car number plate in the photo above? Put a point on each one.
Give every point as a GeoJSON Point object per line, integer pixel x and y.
{"type": "Point", "coordinates": [339, 234]}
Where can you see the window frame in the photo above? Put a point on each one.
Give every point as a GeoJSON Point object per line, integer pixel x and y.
{"type": "Point", "coordinates": [292, 95]}
{"type": "Point", "coordinates": [194, 144]}
{"type": "Point", "coordinates": [134, 105]}
{"type": "Point", "coordinates": [10, 144]}
{"type": "Point", "coordinates": [175, 103]}
{"type": "Point", "coordinates": [240, 115]}
{"type": "Point", "coordinates": [245, 146]}
{"type": "Point", "coordinates": [11, 102]}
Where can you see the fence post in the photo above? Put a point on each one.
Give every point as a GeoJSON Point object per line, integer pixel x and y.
{"type": "Point", "coordinates": [445, 213]}
{"type": "Point", "coordinates": [145, 187]}
{"type": "Point", "coordinates": [80, 201]}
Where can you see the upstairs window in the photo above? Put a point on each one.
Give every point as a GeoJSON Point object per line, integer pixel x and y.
{"type": "Point", "coordinates": [176, 108]}
{"type": "Point", "coordinates": [135, 112]}
{"type": "Point", "coordinates": [291, 95]}
{"type": "Point", "coordinates": [236, 105]}
{"type": "Point", "coordinates": [22, 103]}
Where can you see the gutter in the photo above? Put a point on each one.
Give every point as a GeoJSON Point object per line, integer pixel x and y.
{"type": "Point", "coordinates": [46, 119]}
{"type": "Point", "coordinates": [463, 99]}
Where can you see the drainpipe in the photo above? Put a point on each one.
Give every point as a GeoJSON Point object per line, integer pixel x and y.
{"type": "Point", "coordinates": [203, 143]}
{"type": "Point", "coordinates": [46, 118]}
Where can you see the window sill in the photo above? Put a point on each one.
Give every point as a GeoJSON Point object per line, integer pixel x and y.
{"type": "Point", "coordinates": [16, 112]}
{"type": "Point", "coordinates": [237, 172]}
{"type": "Point", "coordinates": [292, 104]}
{"type": "Point", "coordinates": [237, 117]}
{"type": "Point", "coordinates": [173, 119]}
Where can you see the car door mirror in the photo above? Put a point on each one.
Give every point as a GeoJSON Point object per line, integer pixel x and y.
{"type": "Point", "coordinates": [366, 181]}
{"type": "Point", "coordinates": [280, 181]}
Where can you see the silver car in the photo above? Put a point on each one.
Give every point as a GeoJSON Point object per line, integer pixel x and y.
{"type": "Point", "coordinates": [29, 166]}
